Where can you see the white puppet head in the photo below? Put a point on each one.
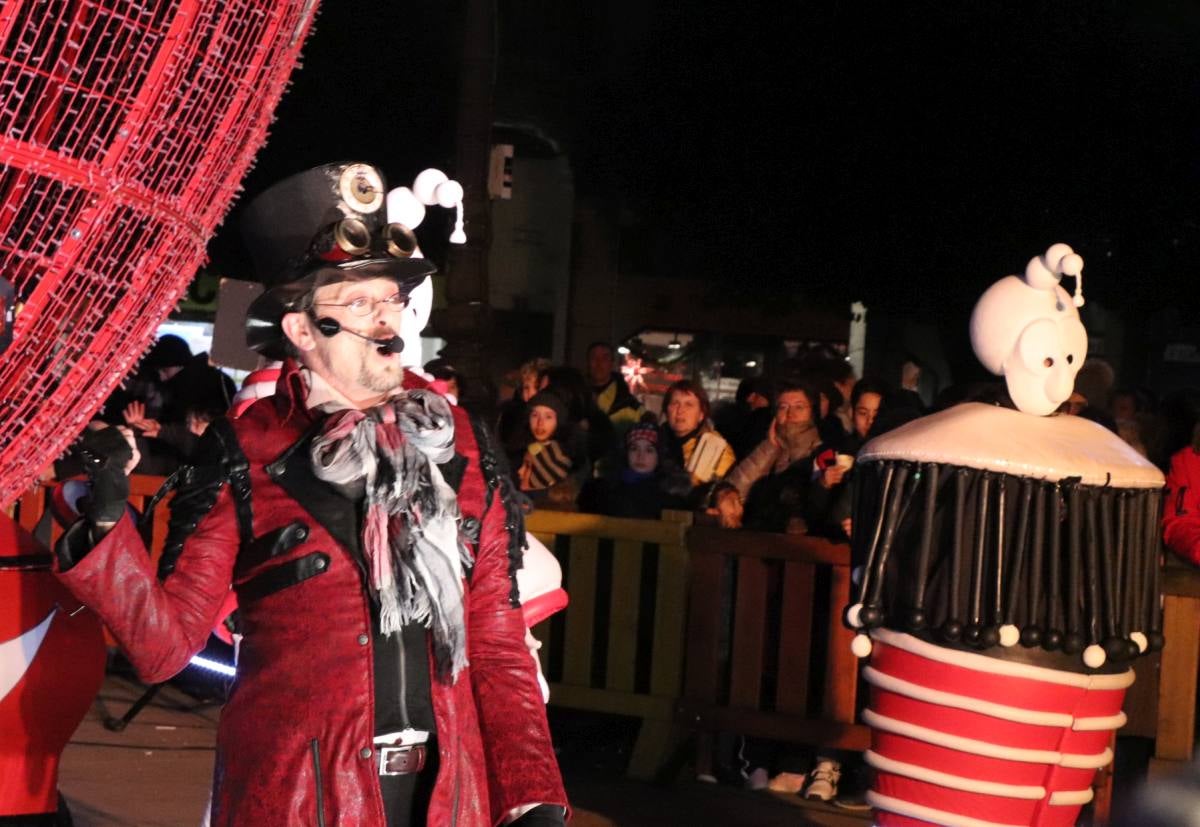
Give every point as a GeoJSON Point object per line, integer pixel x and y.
{"type": "Point", "coordinates": [404, 206]}
{"type": "Point", "coordinates": [416, 316]}
{"type": "Point", "coordinates": [1027, 330]}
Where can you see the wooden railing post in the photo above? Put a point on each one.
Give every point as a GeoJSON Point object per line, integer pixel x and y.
{"type": "Point", "coordinates": [616, 690]}
{"type": "Point", "coordinates": [795, 633]}
{"type": "Point", "coordinates": [841, 673]}
{"type": "Point", "coordinates": [1175, 732]}
{"type": "Point", "coordinates": [749, 633]}
{"type": "Point", "coordinates": [763, 702]}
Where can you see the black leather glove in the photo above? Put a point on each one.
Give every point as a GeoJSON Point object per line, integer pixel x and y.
{"type": "Point", "coordinates": [105, 454]}
{"type": "Point", "coordinates": [543, 815]}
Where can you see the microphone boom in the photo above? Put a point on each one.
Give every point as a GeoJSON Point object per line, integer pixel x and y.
{"type": "Point", "coordinates": [330, 328]}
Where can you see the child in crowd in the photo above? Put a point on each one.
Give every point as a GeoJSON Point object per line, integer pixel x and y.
{"type": "Point", "coordinates": [637, 489]}
{"type": "Point", "coordinates": [546, 472]}
{"type": "Point", "coordinates": [512, 421]}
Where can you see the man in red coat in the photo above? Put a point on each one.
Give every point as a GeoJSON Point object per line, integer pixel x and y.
{"type": "Point", "coordinates": [367, 528]}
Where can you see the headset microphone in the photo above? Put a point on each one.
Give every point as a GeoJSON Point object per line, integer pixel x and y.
{"type": "Point", "coordinates": [330, 327]}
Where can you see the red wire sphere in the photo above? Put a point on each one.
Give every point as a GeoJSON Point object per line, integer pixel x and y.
{"type": "Point", "coordinates": [125, 129]}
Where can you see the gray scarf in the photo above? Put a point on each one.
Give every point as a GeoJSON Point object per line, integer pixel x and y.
{"type": "Point", "coordinates": [415, 554]}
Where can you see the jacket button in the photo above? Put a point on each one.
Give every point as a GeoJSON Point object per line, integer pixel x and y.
{"type": "Point", "coordinates": [365, 752]}
{"type": "Point", "coordinates": [362, 640]}
{"type": "Point", "coordinates": [302, 534]}
{"type": "Point", "coordinates": [319, 563]}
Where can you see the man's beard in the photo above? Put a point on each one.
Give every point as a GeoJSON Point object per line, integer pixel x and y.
{"type": "Point", "coordinates": [796, 437]}
{"type": "Point", "coordinates": [380, 381]}
{"type": "Point", "coordinates": [371, 378]}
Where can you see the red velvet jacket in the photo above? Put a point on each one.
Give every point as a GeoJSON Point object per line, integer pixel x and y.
{"type": "Point", "coordinates": [294, 744]}
{"type": "Point", "coordinates": [1181, 514]}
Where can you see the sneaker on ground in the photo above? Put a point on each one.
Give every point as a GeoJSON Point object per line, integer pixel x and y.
{"type": "Point", "coordinates": [758, 779]}
{"type": "Point", "coordinates": [788, 782]}
{"type": "Point", "coordinates": [706, 777]}
{"type": "Point", "coordinates": [823, 781]}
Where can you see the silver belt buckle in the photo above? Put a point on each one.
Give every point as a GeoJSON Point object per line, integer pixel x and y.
{"type": "Point", "coordinates": [393, 743]}
{"type": "Point", "coordinates": [387, 752]}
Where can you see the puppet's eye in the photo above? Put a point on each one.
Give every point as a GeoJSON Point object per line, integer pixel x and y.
{"type": "Point", "coordinates": [1038, 339]}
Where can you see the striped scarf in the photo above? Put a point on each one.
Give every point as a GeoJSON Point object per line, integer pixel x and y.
{"type": "Point", "coordinates": [414, 552]}
{"type": "Point", "coordinates": [548, 465]}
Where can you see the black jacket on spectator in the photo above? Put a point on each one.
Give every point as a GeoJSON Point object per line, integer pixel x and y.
{"type": "Point", "coordinates": [743, 427]}
{"type": "Point", "coordinates": [776, 498]}
{"type": "Point", "coordinates": [627, 495]}
{"type": "Point", "coordinates": [197, 387]}
{"type": "Point", "coordinates": [594, 424]}
{"type": "Point", "coordinates": [624, 398]}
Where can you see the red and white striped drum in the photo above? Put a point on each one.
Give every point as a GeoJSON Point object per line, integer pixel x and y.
{"type": "Point", "coordinates": [962, 738]}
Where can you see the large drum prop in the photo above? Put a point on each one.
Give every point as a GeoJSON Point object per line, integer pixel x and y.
{"type": "Point", "coordinates": [125, 130]}
{"type": "Point", "coordinates": [1009, 577]}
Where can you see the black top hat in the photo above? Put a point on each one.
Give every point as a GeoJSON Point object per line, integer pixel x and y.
{"type": "Point", "coordinates": [321, 226]}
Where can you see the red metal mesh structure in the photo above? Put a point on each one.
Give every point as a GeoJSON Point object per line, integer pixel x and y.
{"type": "Point", "coordinates": [125, 129]}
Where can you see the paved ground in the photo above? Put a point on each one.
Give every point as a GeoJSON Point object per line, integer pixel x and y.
{"type": "Point", "coordinates": [156, 774]}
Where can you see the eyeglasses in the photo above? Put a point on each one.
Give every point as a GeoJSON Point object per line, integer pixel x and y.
{"type": "Point", "coordinates": [363, 306]}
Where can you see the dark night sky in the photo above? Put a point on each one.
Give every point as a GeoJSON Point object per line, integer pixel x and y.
{"type": "Point", "coordinates": [907, 156]}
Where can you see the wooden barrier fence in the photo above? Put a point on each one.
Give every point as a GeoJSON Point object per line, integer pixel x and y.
{"type": "Point", "coordinates": [1175, 730]}
{"type": "Point", "coordinates": [767, 652]}
{"type": "Point", "coordinates": [618, 647]}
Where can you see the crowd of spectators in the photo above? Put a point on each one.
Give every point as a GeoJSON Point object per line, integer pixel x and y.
{"type": "Point", "coordinates": [168, 403]}
{"type": "Point", "coordinates": [777, 457]}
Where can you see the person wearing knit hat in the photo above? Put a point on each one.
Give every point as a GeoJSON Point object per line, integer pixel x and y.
{"type": "Point", "coordinates": [641, 448]}
{"type": "Point", "coordinates": [639, 490]}
{"type": "Point", "coordinates": [552, 401]}
{"type": "Point", "coordinates": [169, 351]}
{"type": "Point", "coordinates": [546, 471]}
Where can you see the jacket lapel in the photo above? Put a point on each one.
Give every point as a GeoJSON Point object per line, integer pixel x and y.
{"type": "Point", "coordinates": [292, 471]}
